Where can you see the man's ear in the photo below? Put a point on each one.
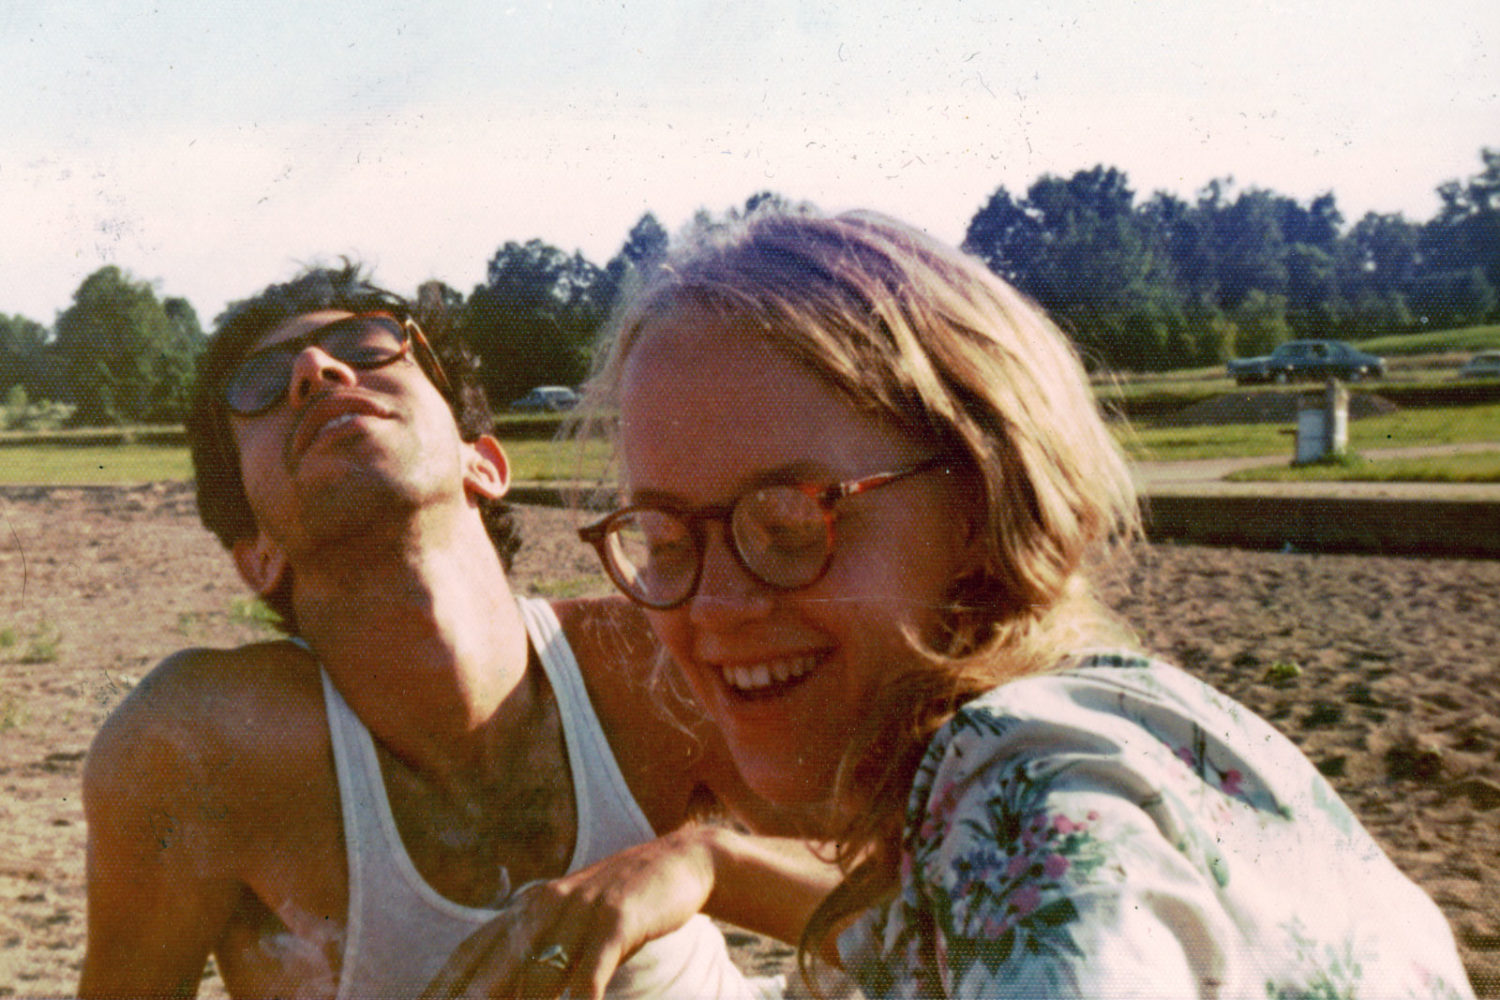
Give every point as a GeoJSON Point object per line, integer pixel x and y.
{"type": "Point", "coordinates": [261, 563]}
{"type": "Point", "coordinates": [486, 469]}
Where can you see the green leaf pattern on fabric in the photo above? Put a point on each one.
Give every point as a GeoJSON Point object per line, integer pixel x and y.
{"type": "Point", "coordinates": [1116, 828]}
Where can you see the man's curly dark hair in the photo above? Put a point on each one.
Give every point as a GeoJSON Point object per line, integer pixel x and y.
{"type": "Point", "coordinates": [222, 504]}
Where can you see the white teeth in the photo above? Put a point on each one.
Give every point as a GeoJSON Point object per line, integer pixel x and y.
{"type": "Point", "coordinates": [338, 421]}
{"type": "Point", "coordinates": [760, 675]}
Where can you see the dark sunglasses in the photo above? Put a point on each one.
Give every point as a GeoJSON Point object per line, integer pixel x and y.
{"type": "Point", "coordinates": [781, 535]}
{"type": "Point", "coordinates": [366, 341]}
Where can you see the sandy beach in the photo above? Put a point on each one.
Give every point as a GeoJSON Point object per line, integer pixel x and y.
{"type": "Point", "coordinates": [1382, 669]}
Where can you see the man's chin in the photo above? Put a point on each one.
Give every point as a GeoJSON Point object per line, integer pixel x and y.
{"type": "Point", "coordinates": [338, 504]}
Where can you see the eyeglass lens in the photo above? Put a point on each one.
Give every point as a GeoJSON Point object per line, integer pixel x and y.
{"type": "Point", "coordinates": [780, 535]}
{"type": "Point", "coordinates": [362, 342]}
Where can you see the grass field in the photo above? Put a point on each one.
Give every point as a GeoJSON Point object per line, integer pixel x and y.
{"type": "Point", "coordinates": [546, 461]}
{"type": "Point", "coordinates": [91, 465]}
{"type": "Point", "coordinates": [1434, 425]}
{"type": "Point", "coordinates": [59, 457]}
{"type": "Point", "coordinates": [1467, 340]}
{"type": "Point", "coordinates": [87, 465]}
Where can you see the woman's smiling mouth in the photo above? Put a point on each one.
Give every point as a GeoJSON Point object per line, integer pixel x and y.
{"type": "Point", "coordinates": [767, 677]}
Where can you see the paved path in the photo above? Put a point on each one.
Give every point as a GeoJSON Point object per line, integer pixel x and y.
{"type": "Point", "coordinates": [1191, 502]}
{"type": "Point", "coordinates": [1205, 477]}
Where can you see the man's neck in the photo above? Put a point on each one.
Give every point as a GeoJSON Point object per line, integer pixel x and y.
{"type": "Point", "coordinates": [423, 638]}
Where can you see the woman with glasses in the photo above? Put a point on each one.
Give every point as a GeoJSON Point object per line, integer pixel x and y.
{"type": "Point", "coordinates": [865, 492]}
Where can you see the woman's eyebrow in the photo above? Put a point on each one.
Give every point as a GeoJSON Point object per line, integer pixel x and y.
{"type": "Point", "coordinates": [791, 474]}
{"type": "Point", "coordinates": [652, 498]}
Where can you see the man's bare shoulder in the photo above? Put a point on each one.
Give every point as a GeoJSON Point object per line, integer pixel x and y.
{"type": "Point", "coordinates": [210, 795]}
{"type": "Point", "coordinates": [246, 718]}
{"type": "Point", "coordinates": [670, 754]}
{"type": "Point", "coordinates": [624, 668]}
{"type": "Point", "coordinates": [608, 631]}
{"type": "Point", "coordinates": [228, 694]}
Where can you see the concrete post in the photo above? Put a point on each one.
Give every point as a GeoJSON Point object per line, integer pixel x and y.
{"type": "Point", "coordinates": [1323, 430]}
{"type": "Point", "coordinates": [1336, 403]}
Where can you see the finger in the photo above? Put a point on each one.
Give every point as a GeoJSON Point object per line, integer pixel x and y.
{"type": "Point", "coordinates": [580, 960]}
{"type": "Point", "coordinates": [483, 965]}
{"type": "Point", "coordinates": [494, 961]}
{"type": "Point", "coordinates": [594, 968]}
{"type": "Point", "coordinates": [605, 937]}
{"type": "Point", "coordinates": [458, 972]}
{"type": "Point", "coordinates": [545, 972]}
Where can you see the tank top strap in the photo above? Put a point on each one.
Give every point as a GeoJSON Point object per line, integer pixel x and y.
{"type": "Point", "coordinates": [609, 818]}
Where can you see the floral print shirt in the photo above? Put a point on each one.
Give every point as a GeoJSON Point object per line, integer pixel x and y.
{"type": "Point", "coordinates": [1119, 829]}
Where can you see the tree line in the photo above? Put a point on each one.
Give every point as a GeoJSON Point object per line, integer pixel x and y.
{"type": "Point", "coordinates": [1166, 283]}
{"type": "Point", "coordinates": [1141, 284]}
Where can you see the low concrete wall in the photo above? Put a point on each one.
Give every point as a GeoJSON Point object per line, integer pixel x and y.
{"type": "Point", "coordinates": [1385, 526]}
{"type": "Point", "coordinates": [1467, 528]}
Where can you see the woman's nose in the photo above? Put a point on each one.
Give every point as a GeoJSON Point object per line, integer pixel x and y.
{"type": "Point", "coordinates": [726, 594]}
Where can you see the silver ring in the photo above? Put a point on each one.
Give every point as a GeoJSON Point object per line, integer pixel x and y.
{"type": "Point", "coordinates": [554, 956]}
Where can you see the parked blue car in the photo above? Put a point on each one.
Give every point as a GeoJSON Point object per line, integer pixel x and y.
{"type": "Point", "coordinates": [1308, 359]}
{"type": "Point", "coordinates": [546, 399]}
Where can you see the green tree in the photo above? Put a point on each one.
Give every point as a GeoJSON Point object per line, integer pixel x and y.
{"type": "Point", "coordinates": [532, 321]}
{"type": "Point", "coordinates": [1213, 336]}
{"type": "Point", "coordinates": [127, 356]}
{"type": "Point", "coordinates": [1385, 247]}
{"type": "Point", "coordinates": [1466, 231]}
{"type": "Point", "coordinates": [1079, 248]}
{"type": "Point", "coordinates": [1184, 233]}
{"type": "Point", "coordinates": [1248, 249]}
{"type": "Point", "coordinates": [1373, 313]}
{"type": "Point", "coordinates": [705, 221]}
{"type": "Point", "coordinates": [1453, 297]}
{"type": "Point", "coordinates": [178, 361]}
{"type": "Point", "coordinates": [645, 244]}
{"type": "Point", "coordinates": [1259, 323]}
{"type": "Point", "coordinates": [1378, 262]}
{"type": "Point", "coordinates": [1173, 282]}
{"type": "Point", "coordinates": [1319, 224]}
{"type": "Point", "coordinates": [1315, 304]}
{"type": "Point", "coordinates": [23, 345]}
{"type": "Point", "coordinates": [1007, 235]}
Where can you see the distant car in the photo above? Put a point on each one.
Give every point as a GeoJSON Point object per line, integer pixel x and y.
{"type": "Point", "coordinates": [546, 399]}
{"type": "Point", "coordinates": [1307, 359]}
{"type": "Point", "coordinates": [1485, 364]}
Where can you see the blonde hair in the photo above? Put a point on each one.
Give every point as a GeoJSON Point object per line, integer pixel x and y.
{"type": "Point", "coordinates": [921, 335]}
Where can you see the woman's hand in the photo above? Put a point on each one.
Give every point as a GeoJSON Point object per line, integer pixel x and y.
{"type": "Point", "coordinates": [570, 934]}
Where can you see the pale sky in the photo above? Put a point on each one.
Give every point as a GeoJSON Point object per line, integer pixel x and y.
{"type": "Point", "coordinates": [213, 146]}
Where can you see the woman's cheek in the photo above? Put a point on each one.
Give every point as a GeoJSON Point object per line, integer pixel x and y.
{"type": "Point", "coordinates": [674, 635]}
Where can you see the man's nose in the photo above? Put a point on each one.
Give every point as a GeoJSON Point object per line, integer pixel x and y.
{"type": "Point", "coordinates": [314, 369]}
{"type": "Point", "coordinates": [727, 595]}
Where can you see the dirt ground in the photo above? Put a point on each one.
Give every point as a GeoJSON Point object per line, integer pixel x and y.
{"type": "Point", "coordinates": [1395, 696]}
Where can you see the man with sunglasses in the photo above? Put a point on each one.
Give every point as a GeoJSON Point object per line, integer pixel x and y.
{"type": "Point", "coordinates": [334, 813]}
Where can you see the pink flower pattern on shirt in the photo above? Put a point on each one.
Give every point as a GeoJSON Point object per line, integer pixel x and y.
{"type": "Point", "coordinates": [1056, 819]}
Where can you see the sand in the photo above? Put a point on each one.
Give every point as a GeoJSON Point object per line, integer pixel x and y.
{"type": "Point", "coordinates": [1394, 696]}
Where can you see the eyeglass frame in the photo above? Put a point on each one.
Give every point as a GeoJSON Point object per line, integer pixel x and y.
{"type": "Point", "coordinates": [825, 497]}
{"type": "Point", "coordinates": [411, 334]}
